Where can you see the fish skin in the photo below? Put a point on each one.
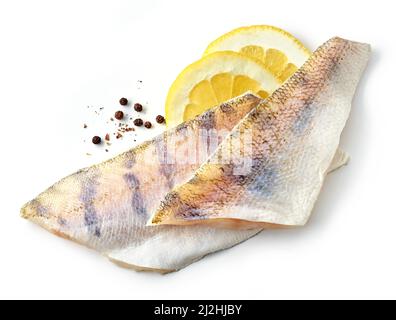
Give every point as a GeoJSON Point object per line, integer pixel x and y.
{"type": "Point", "coordinates": [294, 136]}
{"type": "Point", "coordinates": [106, 207]}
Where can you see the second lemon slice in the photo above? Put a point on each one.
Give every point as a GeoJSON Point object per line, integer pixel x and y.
{"type": "Point", "coordinates": [277, 49]}
{"type": "Point", "coordinates": [213, 80]}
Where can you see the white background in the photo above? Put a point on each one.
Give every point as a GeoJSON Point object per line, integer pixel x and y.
{"type": "Point", "coordinates": [57, 57]}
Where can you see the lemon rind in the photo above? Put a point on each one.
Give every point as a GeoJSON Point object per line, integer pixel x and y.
{"type": "Point", "coordinates": [215, 43]}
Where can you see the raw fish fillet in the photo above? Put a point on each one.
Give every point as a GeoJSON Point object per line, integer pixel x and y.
{"type": "Point", "coordinates": [271, 168]}
{"type": "Point", "coordinates": [106, 207]}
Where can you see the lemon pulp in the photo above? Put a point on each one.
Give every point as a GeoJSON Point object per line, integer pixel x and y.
{"type": "Point", "coordinates": [214, 79]}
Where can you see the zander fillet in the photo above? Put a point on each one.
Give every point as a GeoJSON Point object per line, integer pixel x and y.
{"type": "Point", "coordinates": [106, 207]}
{"type": "Point", "coordinates": [293, 138]}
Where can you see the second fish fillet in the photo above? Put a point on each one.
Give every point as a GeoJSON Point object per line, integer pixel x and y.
{"type": "Point", "coordinates": [271, 168]}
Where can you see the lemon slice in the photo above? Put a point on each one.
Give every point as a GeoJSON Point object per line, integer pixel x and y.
{"type": "Point", "coordinates": [214, 79]}
{"type": "Point", "coordinates": [277, 49]}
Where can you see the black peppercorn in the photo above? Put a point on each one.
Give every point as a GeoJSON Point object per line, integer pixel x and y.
{"type": "Point", "coordinates": [160, 119]}
{"type": "Point", "coordinates": [119, 115]}
{"type": "Point", "coordinates": [138, 122]}
{"type": "Point", "coordinates": [123, 101]}
{"type": "Point", "coordinates": [148, 124]}
{"type": "Point", "coordinates": [138, 107]}
{"type": "Point", "coordinates": [96, 140]}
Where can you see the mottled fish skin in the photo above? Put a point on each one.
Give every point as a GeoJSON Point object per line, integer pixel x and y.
{"type": "Point", "coordinates": [106, 207]}
{"type": "Point", "coordinates": [294, 133]}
